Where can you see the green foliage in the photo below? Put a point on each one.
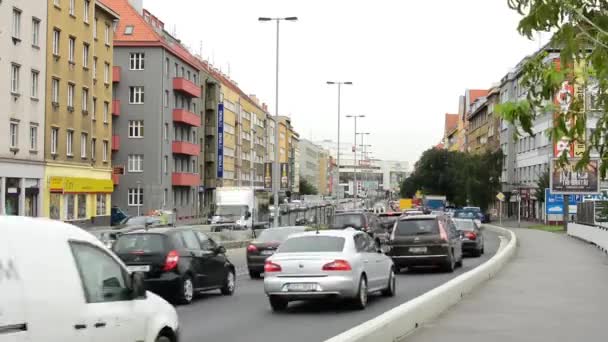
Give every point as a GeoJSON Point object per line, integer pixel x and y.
{"type": "Point", "coordinates": [306, 188]}
{"type": "Point", "coordinates": [580, 36]}
{"type": "Point", "coordinates": [541, 185]}
{"type": "Point", "coordinates": [465, 179]}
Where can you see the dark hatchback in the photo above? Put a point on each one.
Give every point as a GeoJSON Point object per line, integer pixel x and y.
{"type": "Point", "coordinates": [472, 238]}
{"type": "Point", "coordinates": [386, 221]}
{"type": "Point", "coordinates": [264, 245]}
{"type": "Point", "coordinates": [363, 221]}
{"type": "Point", "coordinates": [177, 262]}
{"type": "Point", "coordinates": [425, 240]}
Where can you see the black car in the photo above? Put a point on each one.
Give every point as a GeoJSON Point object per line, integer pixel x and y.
{"type": "Point", "coordinates": [264, 245]}
{"type": "Point", "coordinates": [386, 221]}
{"type": "Point", "coordinates": [358, 220]}
{"type": "Point", "coordinates": [177, 262]}
{"type": "Point", "coordinates": [472, 238]}
{"type": "Point", "coordinates": [425, 240]}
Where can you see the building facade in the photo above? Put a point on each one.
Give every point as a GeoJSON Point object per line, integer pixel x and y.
{"type": "Point", "coordinates": [483, 127]}
{"type": "Point", "coordinates": [78, 128]}
{"type": "Point", "coordinates": [314, 165]}
{"type": "Point", "coordinates": [23, 27]}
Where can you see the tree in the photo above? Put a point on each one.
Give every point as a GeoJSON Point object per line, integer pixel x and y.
{"type": "Point", "coordinates": [306, 188]}
{"type": "Point", "coordinates": [541, 185]}
{"type": "Point", "coordinates": [580, 36]}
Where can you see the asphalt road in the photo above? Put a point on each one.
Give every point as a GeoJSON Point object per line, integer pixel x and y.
{"type": "Point", "coordinates": [247, 316]}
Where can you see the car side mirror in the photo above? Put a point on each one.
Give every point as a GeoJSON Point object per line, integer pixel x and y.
{"type": "Point", "coordinates": [220, 250]}
{"type": "Point", "coordinates": [138, 288]}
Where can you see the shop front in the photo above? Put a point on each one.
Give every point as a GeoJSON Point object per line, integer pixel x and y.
{"type": "Point", "coordinates": [20, 188]}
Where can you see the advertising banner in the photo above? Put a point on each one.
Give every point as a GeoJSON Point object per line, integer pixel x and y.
{"type": "Point", "coordinates": [555, 202]}
{"type": "Point", "coordinates": [220, 140]}
{"type": "Point", "coordinates": [284, 176]}
{"type": "Point", "coordinates": [566, 180]}
{"type": "Point", "coordinates": [268, 176]}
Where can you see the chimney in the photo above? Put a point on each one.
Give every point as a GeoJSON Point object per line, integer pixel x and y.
{"type": "Point", "coordinates": [138, 5]}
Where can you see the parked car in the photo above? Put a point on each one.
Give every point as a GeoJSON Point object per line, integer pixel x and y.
{"type": "Point", "coordinates": [425, 240]}
{"type": "Point", "coordinates": [264, 245]}
{"type": "Point", "coordinates": [59, 283]}
{"type": "Point", "coordinates": [177, 262]}
{"type": "Point", "coordinates": [472, 238]}
{"type": "Point", "coordinates": [344, 264]}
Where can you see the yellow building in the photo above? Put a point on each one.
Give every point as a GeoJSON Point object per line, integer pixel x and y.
{"type": "Point", "coordinates": [78, 132]}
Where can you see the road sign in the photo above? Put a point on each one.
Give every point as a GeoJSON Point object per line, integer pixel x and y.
{"type": "Point", "coordinates": [500, 197]}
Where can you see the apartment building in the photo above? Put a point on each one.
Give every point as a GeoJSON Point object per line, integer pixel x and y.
{"type": "Point", "coordinates": [156, 117]}
{"type": "Point", "coordinates": [78, 128]}
{"type": "Point", "coordinates": [23, 27]}
{"type": "Point", "coordinates": [483, 124]}
{"type": "Point", "coordinates": [314, 165]}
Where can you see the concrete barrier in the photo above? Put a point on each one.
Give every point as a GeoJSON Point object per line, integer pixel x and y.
{"type": "Point", "coordinates": [593, 234]}
{"type": "Point", "coordinates": [399, 322]}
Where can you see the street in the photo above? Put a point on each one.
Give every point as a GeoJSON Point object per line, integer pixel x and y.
{"type": "Point", "coordinates": [246, 316]}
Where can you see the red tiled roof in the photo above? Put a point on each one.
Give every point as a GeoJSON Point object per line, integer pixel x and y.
{"type": "Point", "coordinates": [451, 122]}
{"type": "Point", "coordinates": [474, 94]}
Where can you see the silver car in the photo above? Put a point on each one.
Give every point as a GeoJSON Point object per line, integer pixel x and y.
{"type": "Point", "coordinates": [344, 264]}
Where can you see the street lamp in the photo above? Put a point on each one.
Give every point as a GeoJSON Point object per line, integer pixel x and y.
{"type": "Point", "coordinates": [362, 134]}
{"type": "Point", "coordinates": [355, 155]}
{"type": "Point", "coordinates": [275, 165]}
{"type": "Point", "coordinates": [339, 83]}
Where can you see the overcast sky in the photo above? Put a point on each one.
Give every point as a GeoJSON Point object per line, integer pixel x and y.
{"type": "Point", "coordinates": [409, 60]}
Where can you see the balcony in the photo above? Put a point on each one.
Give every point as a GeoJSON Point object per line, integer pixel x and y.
{"type": "Point", "coordinates": [116, 107]}
{"type": "Point", "coordinates": [184, 116]}
{"type": "Point", "coordinates": [116, 179]}
{"type": "Point", "coordinates": [115, 142]}
{"type": "Point", "coordinates": [116, 74]}
{"type": "Point", "coordinates": [185, 179]}
{"type": "Point", "coordinates": [187, 87]}
{"type": "Point", "coordinates": [184, 147]}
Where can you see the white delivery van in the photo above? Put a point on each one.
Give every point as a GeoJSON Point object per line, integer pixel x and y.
{"type": "Point", "coordinates": [247, 208]}
{"type": "Point", "coordinates": [59, 283]}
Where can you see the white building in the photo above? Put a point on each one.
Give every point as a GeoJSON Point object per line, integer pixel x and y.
{"type": "Point", "coordinates": [22, 69]}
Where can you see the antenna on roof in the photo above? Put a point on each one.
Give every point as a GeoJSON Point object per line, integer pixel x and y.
{"type": "Point", "coordinates": [174, 30]}
{"type": "Point", "coordinates": [200, 48]}
{"type": "Point", "coordinates": [228, 69]}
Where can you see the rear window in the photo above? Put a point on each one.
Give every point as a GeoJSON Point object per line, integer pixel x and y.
{"type": "Point", "coordinates": [278, 235]}
{"type": "Point", "coordinates": [464, 224]}
{"type": "Point", "coordinates": [348, 220]}
{"type": "Point", "coordinates": [312, 244]}
{"type": "Point", "coordinates": [143, 243]}
{"type": "Point", "coordinates": [417, 227]}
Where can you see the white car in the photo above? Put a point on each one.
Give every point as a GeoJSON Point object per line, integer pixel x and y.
{"type": "Point", "coordinates": [344, 264]}
{"type": "Point", "coordinates": [60, 283]}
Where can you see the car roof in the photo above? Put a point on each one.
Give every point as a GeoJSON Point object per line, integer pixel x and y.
{"type": "Point", "coordinates": [329, 232]}
{"type": "Point", "coordinates": [159, 230]}
{"type": "Point", "coordinates": [42, 229]}
{"type": "Point", "coordinates": [418, 217]}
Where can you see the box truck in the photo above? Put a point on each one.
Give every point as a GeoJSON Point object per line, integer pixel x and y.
{"type": "Point", "coordinates": [247, 208]}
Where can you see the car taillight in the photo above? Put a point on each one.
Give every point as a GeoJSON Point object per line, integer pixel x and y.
{"type": "Point", "coordinates": [470, 235]}
{"type": "Point", "coordinates": [171, 261]}
{"type": "Point", "coordinates": [252, 249]}
{"type": "Point", "coordinates": [337, 265]}
{"type": "Point", "coordinates": [270, 267]}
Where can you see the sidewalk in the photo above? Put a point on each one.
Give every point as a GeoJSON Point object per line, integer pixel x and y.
{"type": "Point", "coordinates": [554, 289]}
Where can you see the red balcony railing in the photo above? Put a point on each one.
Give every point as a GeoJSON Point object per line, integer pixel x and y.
{"type": "Point", "coordinates": [184, 147]}
{"type": "Point", "coordinates": [184, 116]}
{"type": "Point", "coordinates": [185, 179]}
{"type": "Point", "coordinates": [185, 86]}
{"type": "Point", "coordinates": [116, 107]}
{"type": "Point", "coordinates": [116, 74]}
{"type": "Point", "coordinates": [115, 142]}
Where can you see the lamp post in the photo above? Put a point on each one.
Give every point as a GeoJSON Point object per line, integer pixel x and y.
{"type": "Point", "coordinates": [362, 134]}
{"type": "Point", "coordinates": [275, 165]}
{"type": "Point", "coordinates": [355, 156]}
{"type": "Point", "coordinates": [337, 185]}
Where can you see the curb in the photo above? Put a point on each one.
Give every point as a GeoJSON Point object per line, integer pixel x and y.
{"type": "Point", "coordinates": [401, 321]}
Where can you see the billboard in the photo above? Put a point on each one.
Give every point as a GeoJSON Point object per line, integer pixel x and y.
{"type": "Point", "coordinates": [566, 180]}
{"type": "Point", "coordinates": [268, 175]}
{"type": "Point", "coordinates": [284, 176]}
{"type": "Point", "coordinates": [220, 140]}
{"type": "Point", "coordinates": [555, 202]}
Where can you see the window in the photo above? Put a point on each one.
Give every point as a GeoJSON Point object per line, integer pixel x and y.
{"type": "Point", "coordinates": [136, 128]}
{"type": "Point", "coordinates": [102, 278]}
{"type": "Point", "coordinates": [56, 36]}
{"type": "Point", "coordinates": [167, 67]}
{"type": "Point", "coordinates": [129, 30]}
{"type": "Point", "coordinates": [136, 162]}
{"type": "Point", "coordinates": [69, 207]}
{"type": "Point", "coordinates": [93, 147]}
{"type": "Point", "coordinates": [165, 164]}
{"type": "Point", "coordinates": [83, 145]}
{"type": "Point", "coordinates": [94, 109]}
{"type": "Point", "coordinates": [15, 68]}
{"type": "Point", "coordinates": [85, 55]}
{"type": "Point", "coordinates": [101, 205]}
{"type": "Point", "coordinates": [104, 152]}
{"type": "Point", "coordinates": [190, 239]}
{"type": "Point", "coordinates": [107, 34]}
{"type": "Point", "coordinates": [136, 61]}
{"type": "Point", "coordinates": [166, 132]}
{"type": "Point", "coordinates": [35, 78]}
{"type": "Point", "coordinates": [33, 138]}
{"type": "Point", "coordinates": [95, 29]}
{"type": "Point", "coordinates": [85, 100]}
{"type": "Point", "coordinates": [35, 31]}
{"type": "Point", "coordinates": [136, 95]}
{"type": "Point", "coordinates": [69, 142]}
{"type": "Point", "coordinates": [87, 5]}
{"type": "Point", "coordinates": [16, 23]}
{"type": "Point", "coordinates": [71, 49]}
{"type": "Point", "coordinates": [71, 89]}
{"type": "Point", "coordinates": [183, 72]}
{"type": "Point", "coordinates": [176, 71]}
{"type": "Point", "coordinates": [166, 99]}
{"type": "Point", "coordinates": [56, 3]}
{"type": "Point", "coordinates": [136, 197]}
{"type": "Point", "coordinates": [106, 110]}
{"type": "Point", "coordinates": [14, 134]}
{"type": "Point", "coordinates": [71, 10]}
{"type": "Point", "coordinates": [54, 139]}
{"type": "Point", "coordinates": [94, 68]}
{"type": "Point", "coordinates": [106, 73]}
{"type": "Point", "coordinates": [82, 206]}
{"type": "Point", "coordinates": [188, 75]}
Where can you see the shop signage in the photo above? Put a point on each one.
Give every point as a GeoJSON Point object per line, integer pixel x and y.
{"type": "Point", "coordinates": [80, 185]}
{"type": "Point", "coordinates": [566, 180]}
{"type": "Point", "coordinates": [220, 140]}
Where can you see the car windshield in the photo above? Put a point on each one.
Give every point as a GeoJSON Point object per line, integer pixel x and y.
{"type": "Point", "coordinates": [465, 224]}
{"type": "Point", "coordinates": [348, 220]}
{"type": "Point", "coordinates": [417, 227]}
{"type": "Point", "coordinates": [143, 243]}
{"type": "Point", "coordinates": [277, 235]}
{"type": "Point", "coordinates": [231, 210]}
{"type": "Point", "coordinates": [312, 244]}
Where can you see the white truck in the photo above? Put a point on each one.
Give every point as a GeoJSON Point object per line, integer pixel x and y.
{"type": "Point", "coordinates": [246, 208]}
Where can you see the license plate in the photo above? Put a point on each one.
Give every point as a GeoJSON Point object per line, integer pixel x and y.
{"type": "Point", "coordinates": [267, 252]}
{"type": "Point", "coordinates": [144, 268]}
{"type": "Point", "coordinates": [417, 249]}
{"type": "Point", "coordinates": [301, 287]}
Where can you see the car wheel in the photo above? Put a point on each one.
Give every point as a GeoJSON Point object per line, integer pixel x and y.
{"type": "Point", "coordinates": [186, 294]}
{"type": "Point", "coordinates": [254, 274]}
{"type": "Point", "coordinates": [163, 339]}
{"type": "Point", "coordinates": [450, 265]}
{"type": "Point", "coordinates": [277, 303]}
{"type": "Point", "coordinates": [229, 284]}
{"type": "Point", "coordinates": [360, 301]}
{"type": "Point", "coordinates": [483, 250]}
{"type": "Point", "coordinates": [392, 285]}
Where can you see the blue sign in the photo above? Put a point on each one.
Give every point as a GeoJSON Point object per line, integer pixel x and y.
{"type": "Point", "coordinates": [555, 203]}
{"type": "Point", "coordinates": [220, 140]}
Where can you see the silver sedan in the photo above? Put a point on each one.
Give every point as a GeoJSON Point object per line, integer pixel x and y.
{"type": "Point", "coordinates": [344, 264]}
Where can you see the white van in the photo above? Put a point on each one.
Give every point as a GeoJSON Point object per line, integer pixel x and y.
{"type": "Point", "coordinates": [59, 283]}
